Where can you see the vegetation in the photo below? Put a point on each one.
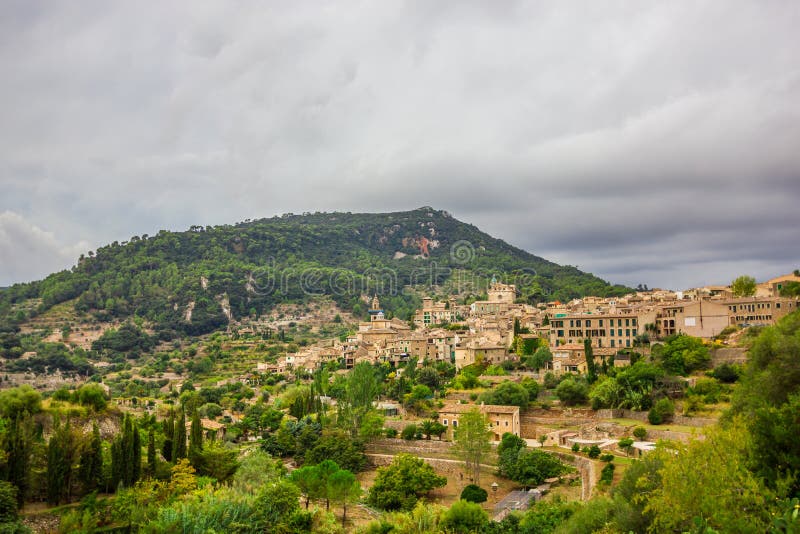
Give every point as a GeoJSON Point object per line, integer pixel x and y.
{"type": "Point", "coordinates": [256, 264]}
{"type": "Point", "coordinates": [399, 485]}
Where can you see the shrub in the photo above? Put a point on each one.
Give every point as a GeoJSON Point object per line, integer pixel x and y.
{"type": "Point", "coordinates": [661, 412]}
{"type": "Point", "coordinates": [409, 432]}
{"type": "Point", "coordinates": [572, 391]}
{"type": "Point", "coordinates": [607, 474]}
{"type": "Point", "coordinates": [640, 433]}
{"type": "Point", "coordinates": [576, 447]}
{"type": "Point", "coordinates": [464, 517]}
{"type": "Point", "coordinates": [607, 458]}
{"type": "Point", "coordinates": [726, 373]}
{"type": "Point", "coordinates": [473, 493]}
{"type": "Point", "coordinates": [390, 432]}
{"type": "Point", "coordinates": [594, 451]}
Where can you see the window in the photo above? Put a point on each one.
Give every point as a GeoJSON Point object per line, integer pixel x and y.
{"type": "Point", "coordinates": [627, 322]}
{"type": "Point", "coordinates": [619, 332]}
{"type": "Point", "coordinates": [612, 341]}
{"type": "Point", "coordinates": [455, 423]}
{"type": "Point", "coordinates": [444, 422]}
{"type": "Point", "coordinates": [506, 423]}
{"type": "Point", "coordinates": [601, 322]}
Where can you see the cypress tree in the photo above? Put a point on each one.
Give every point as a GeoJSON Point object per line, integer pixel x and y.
{"type": "Point", "coordinates": [59, 464]}
{"type": "Point", "coordinates": [18, 450]}
{"type": "Point", "coordinates": [128, 453]}
{"type": "Point", "coordinates": [179, 437]}
{"type": "Point", "coordinates": [591, 371]}
{"type": "Point", "coordinates": [116, 463]}
{"type": "Point", "coordinates": [169, 431]}
{"type": "Point", "coordinates": [195, 440]}
{"type": "Point", "coordinates": [91, 468]}
{"type": "Point", "coordinates": [136, 457]}
{"type": "Point", "coordinates": [151, 453]}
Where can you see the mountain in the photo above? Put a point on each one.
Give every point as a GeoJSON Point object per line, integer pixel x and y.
{"type": "Point", "coordinates": [193, 282]}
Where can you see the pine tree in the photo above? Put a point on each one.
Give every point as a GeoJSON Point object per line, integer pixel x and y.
{"type": "Point", "coordinates": [179, 437]}
{"type": "Point", "coordinates": [195, 440]}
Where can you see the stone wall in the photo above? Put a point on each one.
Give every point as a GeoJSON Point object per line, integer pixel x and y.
{"type": "Point", "coordinates": [642, 416]}
{"type": "Point", "coordinates": [420, 447]}
{"type": "Point", "coordinates": [728, 355]}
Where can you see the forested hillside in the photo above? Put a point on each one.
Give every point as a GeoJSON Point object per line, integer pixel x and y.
{"type": "Point", "coordinates": [190, 282]}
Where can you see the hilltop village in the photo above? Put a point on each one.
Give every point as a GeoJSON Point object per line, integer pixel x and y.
{"type": "Point", "coordinates": [486, 330]}
{"type": "Point", "coordinates": [522, 411]}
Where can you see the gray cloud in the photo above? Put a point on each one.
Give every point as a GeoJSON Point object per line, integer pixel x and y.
{"type": "Point", "coordinates": [649, 142]}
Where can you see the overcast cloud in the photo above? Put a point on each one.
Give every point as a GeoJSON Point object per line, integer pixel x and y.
{"type": "Point", "coordinates": [647, 142]}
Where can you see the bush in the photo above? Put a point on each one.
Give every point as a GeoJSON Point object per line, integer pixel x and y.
{"type": "Point", "coordinates": [8, 502]}
{"type": "Point", "coordinates": [576, 447]}
{"type": "Point", "coordinates": [607, 458]}
{"type": "Point", "coordinates": [390, 432]}
{"type": "Point", "coordinates": [661, 412]}
{"type": "Point", "coordinates": [572, 391]}
{"type": "Point", "coordinates": [607, 474]}
{"type": "Point", "coordinates": [640, 433]}
{"type": "Point", "coordinates": [464, 517]}
{"type": "Point", "coordinates": [726, 373]}
{"type": "Point", "coordinates": [473, 493]}
{"type": "Point", "coordinates": [594, 451]}
{"type": "Point", "coordinates": [409, 432]}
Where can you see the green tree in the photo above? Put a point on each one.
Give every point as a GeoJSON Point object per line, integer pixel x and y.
{"type": "Point", "coordinates": [307, 481]}
{"type": "Point", "coordinates": [276, 504]}
{"type": "Point", "coordinates": [738, 501]}
{"type": "Point", "coordinates": [473, 493]}
{"type": "Point", "coordinates": [471, 441]}
{"type": "Point", "coordinates": [179, 437]}
{"type": "Point", "coordinates": [540, 358]}
{"type": "Point", "coordinates": [508, 393]}
{"type": "Point", "coordinates": [591, 371]}
{"type": "Point", "coordinates": [572, 391]}
{"type": "Point", "coordinates": [400, 484]}
{"type": "Point", "coordinates": [661, 412]}
{"type": "Point", "coordinates": [743, 286]}
{"type": "Point", "coordinates": [91, 468]}
{"type": "Point", "coordinates": [151, 453]}
{"type": "Point", "coordinates": [61, 451]}
{"type": "Point", "coordinates": [217, 461]}
{"type": "Point", "coordinates": [195, 440]}
{"type": "Point", "coordinates": [361, 389]}
{"type": "Point", "coordinates": [464, 517]}
{"type": "Point", "coordinates": [343, 488]}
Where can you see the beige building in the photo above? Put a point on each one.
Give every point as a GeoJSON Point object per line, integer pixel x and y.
{"type": "Point", "coordinates": [433, 313]}
{"type": "Point", "coordinates": [480, 350]}
{"type": "Point", "coordinates": [759, 310]}
{"type": "Point", "coordinates": [698, 318]}
{"type": "Point", "coordinates": [501, 419]}
{"type": "Point", "coordinates": [605, 330]}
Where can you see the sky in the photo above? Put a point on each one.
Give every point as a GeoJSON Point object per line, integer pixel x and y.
{"type": "Point", "coordinates": [646, 142]}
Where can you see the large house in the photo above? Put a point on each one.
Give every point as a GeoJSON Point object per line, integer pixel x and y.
{"type": "Point", "coordinates": [501, 419]}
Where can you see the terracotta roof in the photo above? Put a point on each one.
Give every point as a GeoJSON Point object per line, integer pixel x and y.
{"type": "Point", "coordinates": [484, 408]}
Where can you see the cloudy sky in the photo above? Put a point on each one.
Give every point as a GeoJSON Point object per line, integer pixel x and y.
{"type": "Point", "coordinates": [647, 142]}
